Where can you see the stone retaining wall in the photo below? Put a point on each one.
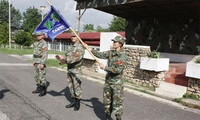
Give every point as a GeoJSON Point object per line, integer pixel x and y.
{"type": "Point", "coordinates": [133, 72]}
{"type": "Point", "coordinates": [91, 65]}
{"type": "Point", "coordinates": [194, 87]}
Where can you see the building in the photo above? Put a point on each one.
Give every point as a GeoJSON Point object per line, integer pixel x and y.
{"type": "Point", "coordinates": [171, 27]}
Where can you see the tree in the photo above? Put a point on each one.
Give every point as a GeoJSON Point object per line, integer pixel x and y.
{"type": "Point", "coordinates": [4, 33]}
{"type": "Point", "coordinates": [24, 38]}
{"type": "Point", "coordinates": [100, 29]}
{"type": "Point", "coordinates": [88, 28]}
{"type": "Point", "coordinates": [118, 24]}
{"type": "Point", "coordinates": [15, 15]}
{"type": "Point", "coordinates": [31, 19]}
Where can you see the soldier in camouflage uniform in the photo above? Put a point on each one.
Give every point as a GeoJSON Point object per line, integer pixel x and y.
{"type": "Point", "coordinates": [73, 58]}
{"type": "Point", "coordinates": [39, 61]}
{"type": "Point", "coordinates": [113, 88]}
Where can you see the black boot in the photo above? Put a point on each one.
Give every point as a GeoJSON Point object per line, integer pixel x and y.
{"type": "Point", "coordinates": [118, 119]}
{"type": "Point", "coordinates": [77, 104]}
{"type": "Point", "coordinates": [43, 91]}
{"type": "Point", "coordinates": [72, 104]}
{"type": "Point", "coordinates": [108, 117]}
{"type": "Point", "coordinates": [37, 90]}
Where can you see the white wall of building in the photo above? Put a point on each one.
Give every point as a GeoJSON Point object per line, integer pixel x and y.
{"type": "Point", "coordinates": [105, 44]}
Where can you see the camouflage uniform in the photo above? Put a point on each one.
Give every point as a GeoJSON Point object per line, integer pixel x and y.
{"type": "Point", "coordinates": [39, 57]}
{"type": "Point", "coordinates": [73, 58]}
{"type": "Point", "coordinates": [113, 88]}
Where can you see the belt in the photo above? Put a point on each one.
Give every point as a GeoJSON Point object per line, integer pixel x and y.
{"type": "Point", "coordinates": [37, 56]}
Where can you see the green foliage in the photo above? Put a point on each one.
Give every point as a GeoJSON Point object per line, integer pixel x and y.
{"type": "Point", "coordinates": [178, 100]}
{"type": "Point", "coordinates": [100, 29]}
{"type": "Point", "coordinates": [31, 19]}
{"type": "Point", "coordinates": [197, 60]}
{"type": "Point", "coordinates": [153, 54]}
{"type": "Point", "coordinates": [4, 33]}
{"type": "Point", "coordinates": [118, 24]}
{"type": "Point", "coordinates": [190, 96]}
{"type": "Point", "coordinates": [15, 15]}
{"type": "Point", "coordinates": [24, 38]}
{"type": "Point", "coordinates": [88, 28]}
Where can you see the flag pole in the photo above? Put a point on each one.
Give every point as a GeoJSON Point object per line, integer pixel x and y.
{"type": "Point", "coordinates": [83, 43]}
{"type": "Point", "coordinates": [80, 40]}
{"type": "Point", "coordinates": [49, 2]}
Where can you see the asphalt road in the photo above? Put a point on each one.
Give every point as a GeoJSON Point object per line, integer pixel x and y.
{"type": "Point", "coordinates": [18, 103]}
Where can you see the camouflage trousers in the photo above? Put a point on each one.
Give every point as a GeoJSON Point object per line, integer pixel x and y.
{"type": "Point", "coordinates": [113, 97]}
{"type": "Point", "coordinates": [40, 75]}
{"type": "Point", "coordinates": [74, 84]}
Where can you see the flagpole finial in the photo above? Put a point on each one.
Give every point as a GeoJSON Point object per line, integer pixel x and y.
{"type": "Point", "coordinates": [49, 2]}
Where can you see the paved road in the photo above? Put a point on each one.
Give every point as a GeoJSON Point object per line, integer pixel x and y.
{"type": "Point", "coordinates": [18, 103]}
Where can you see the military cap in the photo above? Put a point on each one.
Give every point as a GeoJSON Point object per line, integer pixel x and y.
{"type": "Point", "coordinates": [38, 34]}
{"type": "Point", "coordinates": [73, 35]}
{"type": "Point", "coordinates": [119, 38]}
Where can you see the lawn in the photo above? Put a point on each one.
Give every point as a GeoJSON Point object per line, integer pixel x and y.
{"type": "Point", "coordinates": [52, 63]}
{"type": "Point", "coordinates": [24, 51]}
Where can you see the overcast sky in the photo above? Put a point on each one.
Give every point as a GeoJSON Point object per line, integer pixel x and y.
{"type": "Point", "coordinates": [68, 10]}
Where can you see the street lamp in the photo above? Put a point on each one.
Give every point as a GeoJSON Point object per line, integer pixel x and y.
{"type": "Point", "coordinates": [42, 9]}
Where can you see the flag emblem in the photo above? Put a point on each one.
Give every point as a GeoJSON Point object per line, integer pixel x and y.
{"type": "Point", "coordinates": [48, 24]}
{"type": "Point", "coordinates": [53, 24]}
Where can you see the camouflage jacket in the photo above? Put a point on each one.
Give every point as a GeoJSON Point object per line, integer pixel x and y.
{"type": "Point", "coordinates": [40, 52]}
{"type": "Point", "coordinates": [74, 56]}
{"type": "Point", "coordinates": [117, 61]}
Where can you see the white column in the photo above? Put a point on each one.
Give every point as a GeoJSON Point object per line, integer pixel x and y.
{"type": "Point", "coordinates": [60, 46]}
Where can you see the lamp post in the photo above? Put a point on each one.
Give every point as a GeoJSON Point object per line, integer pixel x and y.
{"type": "Point", "coordinates": [9, 27]}
{"type": "Point", "coordinates": [42, 9]}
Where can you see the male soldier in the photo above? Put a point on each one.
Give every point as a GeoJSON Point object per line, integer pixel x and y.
{"type": "Point", "coordinates": [113, 88]}
{"type": "Point", "coordinates": [73, 58]}
{"type": "Point", "coordinates": [39, 60]}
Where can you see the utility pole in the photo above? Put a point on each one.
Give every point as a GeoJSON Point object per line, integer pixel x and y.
{"type": "Point", "coordinates": [9, 27]}
{"type": "Point", "coordinates": [79, 19]}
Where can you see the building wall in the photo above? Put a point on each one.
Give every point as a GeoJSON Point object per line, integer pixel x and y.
{"type": "Point", "coordinates": [172, 35]}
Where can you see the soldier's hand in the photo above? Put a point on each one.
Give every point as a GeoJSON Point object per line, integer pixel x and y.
{"type": "Point", "coordinates": [101, 66]}
{"type": "Point", "coordinates": [41, 66]}
{"type": "Point", "coordinates": [33, 64]}
{"type": "Point", "coordinates": [59, 57]}
{"type": "Point", "coordinates": [62, 61]}
{"type": "Point", "coordinates": [86, 46]}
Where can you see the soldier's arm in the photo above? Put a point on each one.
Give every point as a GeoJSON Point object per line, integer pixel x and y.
{"type": "Point", "coordinates": [118, 67]}
{"type": "Point", "coordinates": [45, 54]}
{"type": "Point", "coordinates": [102, 55]}
{"type": "Point", "coordinates": [76, 56]}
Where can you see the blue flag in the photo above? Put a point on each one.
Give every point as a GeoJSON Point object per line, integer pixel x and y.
{"type": "Point", "coordinates": [53, 24]}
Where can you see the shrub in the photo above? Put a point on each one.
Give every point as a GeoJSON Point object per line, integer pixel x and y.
{"type": "Point", "coordinates": [190, 96]}
{"type": "Point", "coordinates": [153, 54]}
{"type": "Point", "coordinates": [197, 60]}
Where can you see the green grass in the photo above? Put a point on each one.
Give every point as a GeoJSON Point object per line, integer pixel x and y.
{"type": "Point", "coordinates": [52, 63]}
{"type": "Point", "coordinates": [190, 96]}
{"type": "Point", "coordinates": [25, 51]}
{"type": "Point", "coordinates": [16, 51]}
{"type": "Point", "coordinates": [178, 100]}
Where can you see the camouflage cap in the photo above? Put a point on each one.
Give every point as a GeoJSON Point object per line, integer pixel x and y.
{"type": "Point", "coordinates": [120, 39]}
{"type": "Point", "coordinates": [38, 34]}
{"type": "Point", "coordinates": [73, 35]}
